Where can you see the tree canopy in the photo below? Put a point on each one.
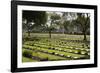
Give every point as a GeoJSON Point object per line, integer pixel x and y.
{"type": "Point", "coordinates": [32, 19]}
{"type": "Point", "coordinates": [38, 17]}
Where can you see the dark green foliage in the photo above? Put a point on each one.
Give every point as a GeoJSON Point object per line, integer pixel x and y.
{"type": "Point", "coordinates": [44, 59]}
{"type": "Point", "coordinates": [33, 19]}
{"type": "Point", "coordinates": [27, 53]}
{"type": "Point", "coordinates": [39, 17]}
{"type": "Point", "coordinates": [83, 20]}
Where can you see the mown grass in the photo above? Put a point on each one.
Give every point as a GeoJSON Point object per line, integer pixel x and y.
{"type": "Point", "coordinates": [25, 59]}
{"type": "Point", "coordinates": [59, 47]}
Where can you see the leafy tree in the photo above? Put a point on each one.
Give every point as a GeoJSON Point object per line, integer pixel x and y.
{"type": "Point", "coordinates": [53, 18]}
{"type": "Point", "coordinates": [32, 19]}
{"type": "Point", "coordinates": [66, 25]}
{"type": "Point", "coordinates": [66, 19]}
{"type": "Point", "coordinates": [83, 19]}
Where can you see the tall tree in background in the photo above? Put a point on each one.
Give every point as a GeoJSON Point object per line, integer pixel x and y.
{"type": "Point", "coordinates": [32, 19]}
{"type": "Point", "coordinates": [83, 19]}
{"type": "Point", "coordinates": [53, 18]}
{"type": "Point", "coordinates": [66, 19]}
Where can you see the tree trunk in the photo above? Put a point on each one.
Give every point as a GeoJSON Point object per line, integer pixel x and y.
{"type": "Point", "coordinates": [50, 33]}
{"type": "Point", "coordinates": [50, 29]}
{"type": "Point", "coordinates": [28, 33]}
{"type": "Point", "coordinates": [28, 28]}
{"type": "Point", "coordinates": [63, 30]}
{"type": "Point", "coordinates": [85, 37]}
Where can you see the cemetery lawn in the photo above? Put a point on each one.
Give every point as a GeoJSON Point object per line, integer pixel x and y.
{"type": "Point", "coordinates": [40, 47]}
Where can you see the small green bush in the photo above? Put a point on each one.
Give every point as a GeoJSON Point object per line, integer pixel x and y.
{"type": "Point", "coordinates": [27, 53]}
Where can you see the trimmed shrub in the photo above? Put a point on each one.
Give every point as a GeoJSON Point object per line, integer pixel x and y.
{"type": "Point", "coordinates": [27, 53]}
